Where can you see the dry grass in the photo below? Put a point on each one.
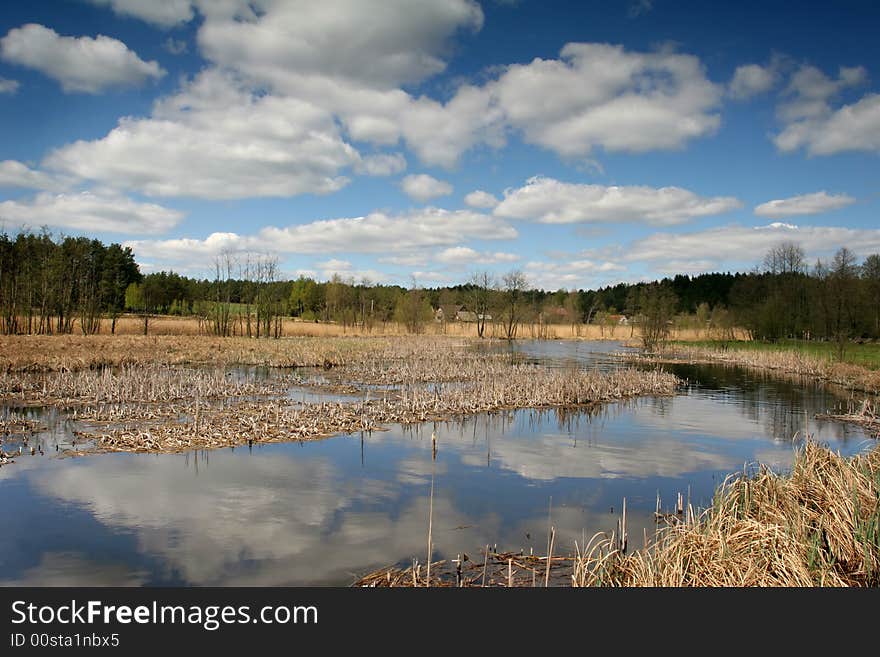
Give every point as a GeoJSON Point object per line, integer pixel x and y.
{"type": "Point", "coordinates": [131, 384]}
{"type": "Point", "coordinates": [170, 325]}
{"type": "Point", "coordinates": [57, 353]}
{"type": "Point", "coordinates": [197, 425]}
{"type": "Point", "coordinates": [816, 526]}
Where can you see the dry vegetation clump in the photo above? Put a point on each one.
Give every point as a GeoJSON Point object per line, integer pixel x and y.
{"type": "Point", "coordinates": [33, 353]}
{"type": "Point", "coordinates": [791, 362]}
{"type": "Point", "coordinates": [13, 423]}
{"type": "Point", "coordinates": [817, 526]}
{"type": "Point", "coordinates": [494, 569]}
{"type": "Point", "coordinates": [131, 384]}
{"type": "Point", "coordinates": [864, 415]}
{"type": "Point", "coordinates": [204, 426]}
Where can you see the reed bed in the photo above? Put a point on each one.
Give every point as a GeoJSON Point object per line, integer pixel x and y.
{"type": "Point", "coordinates": [204, 426]}
{"type": "Point", "coordinates": [132, 384]}
{"type": "Point", "coordinates": [74, 353]}
{"type": "Point", "coordinates": [819, 525]}
{"type": "Point", "coordinates": [791, 362]}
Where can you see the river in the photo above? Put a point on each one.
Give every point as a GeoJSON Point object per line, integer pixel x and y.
{"type": "Point", "coordinates": [326, 512]}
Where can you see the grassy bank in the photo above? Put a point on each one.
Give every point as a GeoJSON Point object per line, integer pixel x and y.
{"type": "Point", "coordinates": [865, 355]}
{"type": "Point", "coordinates": [817, 525]}
{"type": "Point", "coordinates": [812, 361]}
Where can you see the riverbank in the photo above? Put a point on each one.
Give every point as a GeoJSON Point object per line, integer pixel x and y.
{"type": "Point", "coordinates": [814, 363]}
{"type": "Point", "coordinates": [816, 525]}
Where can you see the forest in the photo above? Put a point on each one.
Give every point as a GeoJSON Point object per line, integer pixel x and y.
{"type": "Point", "coordinates": [66, 284]}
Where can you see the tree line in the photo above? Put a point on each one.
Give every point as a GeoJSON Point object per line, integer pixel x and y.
{"type": "Point", "coordinates": [50, 285]}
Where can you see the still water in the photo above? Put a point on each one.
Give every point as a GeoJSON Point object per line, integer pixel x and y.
{"type": "Point", "coordinates": [324, 513]}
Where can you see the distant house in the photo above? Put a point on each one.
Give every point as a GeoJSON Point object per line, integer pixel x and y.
{"type": "Point", "coordinates": [447, 312]}
{"type": "Point", "coordinates": [621, 320]}
{"type": "Point", "coordinates": [558, 315]}
{"type": "Point", "coordinates": [466, 316]}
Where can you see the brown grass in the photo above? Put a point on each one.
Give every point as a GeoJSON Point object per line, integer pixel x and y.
{"type": "Point", "coordinates": [204, 426]}
{"type": "Point", "coordinates": [165, 325]}
{"type": "Point", "coordinates": [817, 526]}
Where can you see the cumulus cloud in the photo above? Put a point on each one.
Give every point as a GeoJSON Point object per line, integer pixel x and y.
{"type": "Point", "coordinates": [752, 79]}
{"type": "Point", "coordinates": [381, 164]}
{"type": "Point", "coordinates": [17, 174]}
{"type": "Point", "coordinates": [8, 86]}
{"type": "Point", "coordinates": [570, 274]}
{"type": "Point", "coordinates": [217, 140]}
{"type": "Point", "coordinates": [464, 255]}
{"type": "Point", "coordinates": [736, 245]}
{"type": "Point", "coordinates": [422, 187]}
{"type": "Point", "coordinates": [853, 127]}
{"type": "Point", "coordinates": [481, 199]}
{"type": "Point", "coordinates": [603, 95]}
{"type": "Point", "coordinates": [79, 64]}
{"type": "Point", "coordinates": [376, 233]}
{"type": "Point", "coordinates": [353, 59]}
{"type": "Point", "coordinates": [88, 211]}
{"type": "Point", "coordinates": [553, 202]}
{"type": "Point", "coordinates": [164, 13]}
{"type": "Point", "coordinates": [803, 204]}
{"type": "Point", "coordinates": [380, 44]}
{"type": "Point", "coordinates": [813, 123]}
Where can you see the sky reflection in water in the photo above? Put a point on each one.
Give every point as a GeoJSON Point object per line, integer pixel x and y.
{"type": "Point", "coordinates": [326, 512]}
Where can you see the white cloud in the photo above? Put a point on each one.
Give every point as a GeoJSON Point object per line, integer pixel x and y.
{"type": "Point", "coordinates": [550, 201]}
{"type": "Point", "coordinates": [464, 255]}
{"type": "Point", "coordinates": [811, 122]}
{"type": "Point", "coordinates": [422, 187]}
{"type": "Point", "coordinates": [17, 174]}
{"type": "Point", "coordinates": [381, 164]}
{"type": "Point", "coordinates": [217, 140]}
{"type": "Point", "coordinates": [376, 233]}
{"type": "Point", "coordinates": [803, 204]}
{"type": "Point", "coordinates": [736, 245]}
{"type": "Point", "coordinates": [752, 79]}
{"type": "Point", "coordinates": [82, 64]}
{"type": "Point", "coordinates": [481, 199]}
{"type": "Point", "coordinates": [164, 13]}
{"type": "Point", "coordinates": [572, 274]}
{"type": "Point", "coordinates": [853, 127]}
{"type": "Point", "coordinates": [345, 270]}
{"type": "Point", "coordinates": [602, 95]}
{"type": "Point", "coordinates": [8, 86]}
{"type": "Point", "coordinates": [89, 211]}
{"type": "Point", "coordinates": [380, 44]}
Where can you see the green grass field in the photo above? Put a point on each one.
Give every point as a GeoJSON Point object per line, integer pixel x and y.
{"type": "Point", "coordinates": [866, 355]}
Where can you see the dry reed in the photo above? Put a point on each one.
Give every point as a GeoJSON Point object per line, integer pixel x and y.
{"type": "Point", "coordinates": [819, 525]}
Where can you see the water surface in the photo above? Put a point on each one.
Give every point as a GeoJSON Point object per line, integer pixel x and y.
{"type": "Point", "coordinates": [326, 512]}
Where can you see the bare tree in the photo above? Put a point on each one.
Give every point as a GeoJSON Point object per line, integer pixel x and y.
{"type": "Point", "coordinates": [785, 258]}
{"type": "Point", "coordinates": [514, 284]}
{"type": "Point", "coordinates": [480, 298]}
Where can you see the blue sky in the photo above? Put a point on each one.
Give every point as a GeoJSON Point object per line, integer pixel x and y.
{"type": "Point", "coordinates": [584, 143]}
